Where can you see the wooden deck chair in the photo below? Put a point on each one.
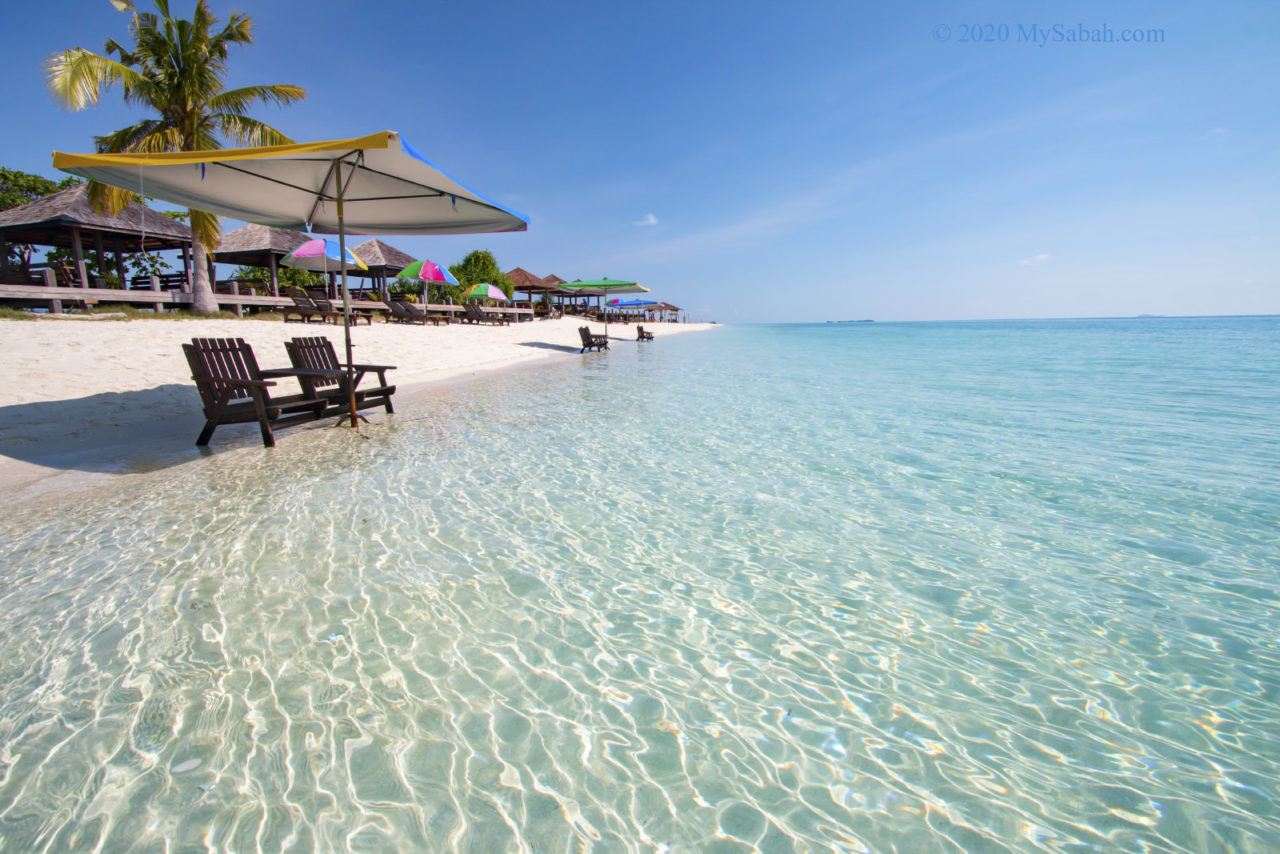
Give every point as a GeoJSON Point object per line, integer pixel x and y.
{"type": "Point", "coordinates": [321, 299]}
{"type": "Point", "coordinates": [303, 309]}
{"type": "Point", "coordinates": [641, 335]}
{"type": "Point", "coordinates": [400, 313]}
{"type": "Point", "coordinates": [317, 354]}
{"type": "Point", "coordinates": [592, 342]}
{"type": "Point", "coordinates": [235, 391]}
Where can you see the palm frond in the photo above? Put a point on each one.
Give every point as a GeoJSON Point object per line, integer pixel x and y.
{"type": "Point", "coordinates": [78, 77]}
{"type": "Point", "coordinates": [247, 131]}
{"type": "Point", "coordinates": [239, 100]}
{"type": "Point", "coordinates": [107, 199]}
{"type": "Point", "coordinates": [205, 228]}
{"type": "Point", "coordinates": [126, 139]}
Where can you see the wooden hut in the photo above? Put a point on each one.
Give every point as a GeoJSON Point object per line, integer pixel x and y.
{"type": "Point", "coordinates": [259, 246]}
{"type": "Point", "coordinates": [383, 261]}
{"type": "Point", "coordinates": [67, 220]}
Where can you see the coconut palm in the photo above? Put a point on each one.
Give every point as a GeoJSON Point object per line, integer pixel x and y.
{"type": "Point", "coordinates": [175, 68]}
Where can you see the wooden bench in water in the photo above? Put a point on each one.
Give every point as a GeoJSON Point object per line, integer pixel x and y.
{"type": "Point", "coordinates": [235, 390]}
{"type": "Point", "coordinates": [317, 354]}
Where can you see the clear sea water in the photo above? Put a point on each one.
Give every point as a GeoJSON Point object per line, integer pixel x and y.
{"type": "Point", "coordinates": [1007, 586]}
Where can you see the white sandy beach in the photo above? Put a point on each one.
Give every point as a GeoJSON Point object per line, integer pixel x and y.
{"type": "Point", "coordinates": [95, 390]}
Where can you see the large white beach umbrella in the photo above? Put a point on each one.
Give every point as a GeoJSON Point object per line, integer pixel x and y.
{"type": "Point", "coordinates": [376, 184]}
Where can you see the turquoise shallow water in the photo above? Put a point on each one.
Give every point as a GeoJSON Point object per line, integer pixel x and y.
{"type": "Point", "coordinates": [879, 587]}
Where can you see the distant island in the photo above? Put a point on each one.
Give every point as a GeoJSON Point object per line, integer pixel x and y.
{"type": "Point", "coordinates": [850, 321]}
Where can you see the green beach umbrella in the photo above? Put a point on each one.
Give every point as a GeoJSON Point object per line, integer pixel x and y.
{"type": "Point", "coordinates": [602, 288]}
{"type": "Point", "coordinates": [484, 290]}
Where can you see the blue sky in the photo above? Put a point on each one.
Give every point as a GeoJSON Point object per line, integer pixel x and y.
{"type": "Point", "coordinates": [827, 160]}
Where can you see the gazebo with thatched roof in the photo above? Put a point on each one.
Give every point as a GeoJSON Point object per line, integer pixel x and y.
{"type": "Point", "coordinates": [382, 259]}
{"type": "Point", "coordinates": [65, 218]}
{"type": "Point", "coordinates": [259, 246]}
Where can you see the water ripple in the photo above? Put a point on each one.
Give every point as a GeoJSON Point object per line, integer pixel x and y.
{"type": "Point", "coordinates": [985, 591]}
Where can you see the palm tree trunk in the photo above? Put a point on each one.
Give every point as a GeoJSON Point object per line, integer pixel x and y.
{"type": "Point", "coordinates": [201, 293]}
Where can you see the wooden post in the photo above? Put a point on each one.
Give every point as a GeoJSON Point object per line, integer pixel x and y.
{"type": "Point", "coordinates": [275, 276]}
{"type": "Point", "coordinates": [235, 292]}
{"type": "Point", "coordinates": [4, 254]}
{"type": "Point", "coordinates": [51, 281]}
{"type": "Point", "coordinates": [118, 246]}
{"type": "Point", "coordinates": [155, 286]}
{"type": "Point", "coordinates": [77, 249]}
{"type": "Point", "coordinates": [99, 246]}
{"type": "Point", "coordinates": [186, 266]}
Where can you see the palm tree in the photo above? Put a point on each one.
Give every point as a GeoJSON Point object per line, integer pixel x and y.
{"type": "Point", "coordinates": [175, 68]}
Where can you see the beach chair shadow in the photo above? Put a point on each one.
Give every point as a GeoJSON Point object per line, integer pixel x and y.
{"type": "Point", "coordinates": [111, 432]}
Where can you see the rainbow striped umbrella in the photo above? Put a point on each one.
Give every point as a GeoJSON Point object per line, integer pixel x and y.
{"type": "Point", "coordinates": [322, 256]}
{"type": "Point", "coordinates": [484, 290]}
{"type": "Point", "coordinates": [428, 271]}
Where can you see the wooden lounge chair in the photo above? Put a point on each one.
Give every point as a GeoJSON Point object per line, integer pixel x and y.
{"type": "Point", "coordinates": [400, 313]}
{"type": "Point", "coordinates": [235, 391]}
{"type": "Point", "coordinates": [641, 335]}
{"type": "Point", "coordinates": [304, 309]}
{"type": "Point", "coordinates": [407, 312]}
{"type": "Point", "coordinates": [475, 314]}
{"type": "Point", "coordinates": [592, 342]}
{"type": "Point", "coordinates": [317, 354]}
{"type": "Point", "coordinates": [321, 299]}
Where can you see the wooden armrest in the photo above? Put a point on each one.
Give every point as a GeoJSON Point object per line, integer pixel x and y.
{"type": "Point", "coordinates": [318, 373]}
{"type": "Point", "coordinates": [374, 367]}
{"type": "Point", "coordinates": [236, 383]}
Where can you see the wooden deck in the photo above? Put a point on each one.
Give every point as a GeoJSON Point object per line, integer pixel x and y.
{"type": "Point", "coordinates": [53, 296]}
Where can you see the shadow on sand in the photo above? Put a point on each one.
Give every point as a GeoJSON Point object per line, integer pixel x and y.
{"type": "Point", "coordinates": [542, 345]}
{"type": "Point", "coordinates": [128, 431]}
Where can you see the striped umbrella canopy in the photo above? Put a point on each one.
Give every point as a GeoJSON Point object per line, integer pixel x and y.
{"type": "Point", "coordinates": [428, 271]}
{"type": "Point", "coordinates": [322, 256]}
{"type": "Point", "coordinates": [484, 290]}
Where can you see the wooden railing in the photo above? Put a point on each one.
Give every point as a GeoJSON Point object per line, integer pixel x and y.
{"type": "Point", "coordinates": [45, 290]}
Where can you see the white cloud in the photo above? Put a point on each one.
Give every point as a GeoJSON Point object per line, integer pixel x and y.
{"type": "Point", "coordinates": [1035, 260]}
{"type": "Point", "coordinates": [647, 219]}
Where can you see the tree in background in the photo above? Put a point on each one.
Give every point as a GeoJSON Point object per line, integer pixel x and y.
{"type": "Point", "coordinates": [175, 68]}
{"type": "Point", "coordinates": [288, 277]}
{"type": "Point", "coordinates": [480, 266]}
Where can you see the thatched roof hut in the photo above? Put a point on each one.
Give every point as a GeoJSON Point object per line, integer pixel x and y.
{"type": "Point", "coordinates": [383, 261]}
{"type": "Point", "coordinates": [525, 281]}
{"type": "Point", "coordinates": [62, 218]}
{"type": "Point", "coordinates": [257, 245]}
{"type": "Point", "coordinates": [375, 253]}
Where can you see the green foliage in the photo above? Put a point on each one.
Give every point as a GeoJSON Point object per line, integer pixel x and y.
{"type": "Point", "coordinates": [480, 266]}
{"type": "Point", "coordinates": [18, 188]}
{"type": "Point", "coordinates": [288, 277]}
{"type": "Point", "coordinates": [7, 313]}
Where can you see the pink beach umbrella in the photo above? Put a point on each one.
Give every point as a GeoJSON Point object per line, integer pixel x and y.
{"type": "Point", "coordinates": [428, 271]}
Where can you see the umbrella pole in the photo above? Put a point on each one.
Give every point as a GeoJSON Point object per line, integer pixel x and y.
{"type": "Point", "coordinates": [346, 314]}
